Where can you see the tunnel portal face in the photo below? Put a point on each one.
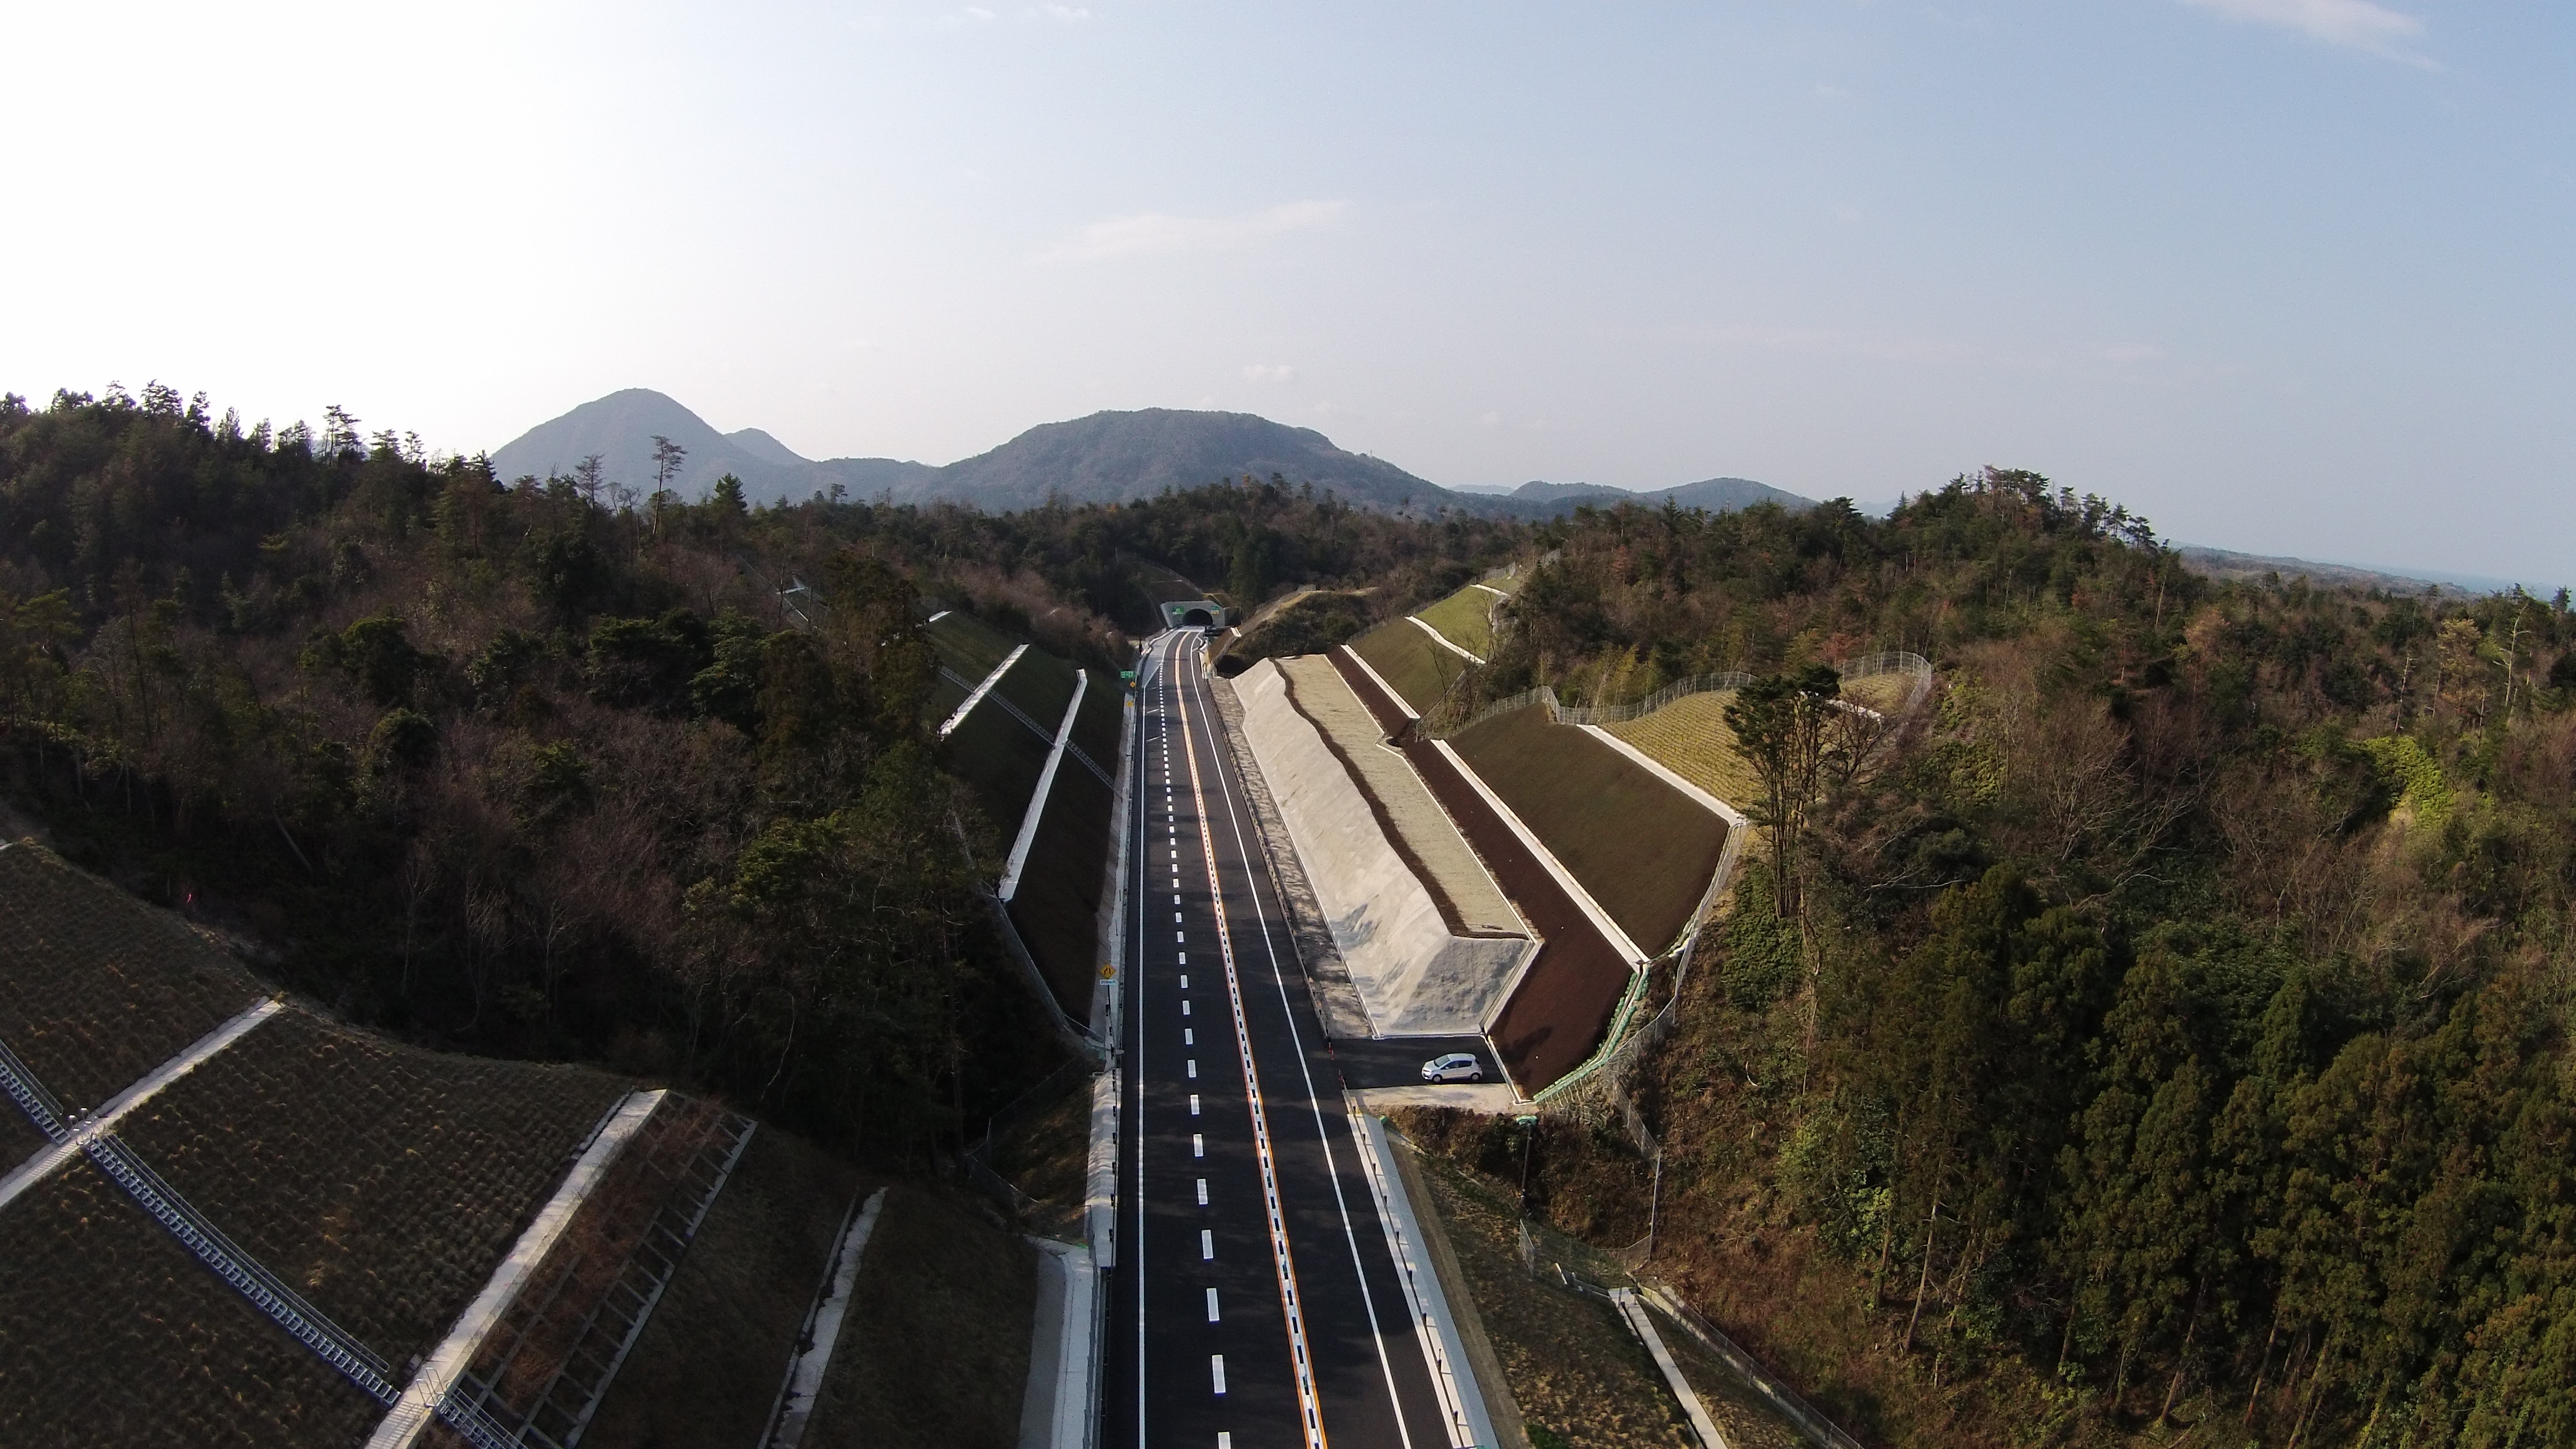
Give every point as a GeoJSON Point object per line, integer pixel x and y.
{"type": "Point", "coordinates": [1197, 619]}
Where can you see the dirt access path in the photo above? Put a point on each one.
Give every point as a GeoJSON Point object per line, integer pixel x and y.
{"type": "Point", "coordinates": [1564, 1003]}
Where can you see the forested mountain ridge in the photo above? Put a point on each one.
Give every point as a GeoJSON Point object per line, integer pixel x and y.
{"type": "Point", "coordinates": [535, 770]}
{"type": "Point", "coordinates": [2170, 1038]}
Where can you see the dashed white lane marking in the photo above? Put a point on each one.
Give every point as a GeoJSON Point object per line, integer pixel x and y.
{"type": "Point", "coordinates": [1291, 1296]}
{"type": "Point", "coordinates": [1202, 1192]}
{"type": "Point", "coordinates": [1207, 1247]}
{"type": "Point", "coordinates": [1212, 1318]}
{"type": "Point", "coordinates": [1194, 1069]}
{"type": "Point", "coordinates": [1216, 1370]}
{"type": "Point", "coordinates": [1194, 1104]}
{"type": "Point", "coordinates": [1198, 1146]}
{"type": "Point", "coordinates": [1185, 1008]}
{"type": "Point", "coordinates": [1189, 1037]}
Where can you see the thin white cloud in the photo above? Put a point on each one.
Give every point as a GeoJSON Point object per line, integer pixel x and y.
{"type": "Point", "coordinates": [1256, 372]}
{"type": "Point", "coordinates": [1884, 347]}
{"type": "Point", "coordinates": [2354, 24]}
{"type": "Point", "coordinates": [1155, 233]}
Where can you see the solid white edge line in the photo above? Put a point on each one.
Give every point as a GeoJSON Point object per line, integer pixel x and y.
{"type": "Point", "coordinates": [1443, 640]}
{"type": "Point", "coordinates": [1030, 817]}
{"type": "Point", "coordinates": [104, 1119]}
{"type": "Point", "coordinates": [1310, 1401]}
{"type": "Point", "coordinates": [1451, 1377]}
{"type": "Point", "coordinates": [977, 696]}
{"type": "Point", "coordinates": [1297, 1041]}
{"type": "Point", "coordinates": [420, 1399]}
{"type": "Point", "coordinates": [1583, 898]}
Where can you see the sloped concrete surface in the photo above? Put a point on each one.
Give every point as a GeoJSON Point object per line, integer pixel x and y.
{"type": "Point", "coordinates": [1477, 905]}
{"type": "Point", "coordinates": [1413, 975]}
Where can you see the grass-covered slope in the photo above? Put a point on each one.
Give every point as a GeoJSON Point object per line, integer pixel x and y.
{"type": "Point", "coordinates": [1691, 738]}
{"type": "Point", "coordinates": [1411, 662]}
{"type": "Point", "coordinates": [1056, 907]}
{"type": "Point", "coordinates": [1643, 849]}
{"type": "Point", "coordinates": [111, 1334]}
{"type": "Point", "coordinates": [1465, 618]}
{"type": "Point", "coordinates": [707, 1368]}
{"type": "Point", "coordinates": [97, 989]}
{"type": "Point", "coordinates": [1002, 759]}
{"type": "Point", "coordinates": [384, 1181]}
{"type": "Point", "coordinates": [1574, 1369]}
{"type": "Point", "coordinates": [935, 1351]}
{"type": "Point", "coordinates": [967, 644]}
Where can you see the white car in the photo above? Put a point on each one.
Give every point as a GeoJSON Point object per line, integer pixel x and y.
{"type": "Point", "coordinates": [1455, 1067]}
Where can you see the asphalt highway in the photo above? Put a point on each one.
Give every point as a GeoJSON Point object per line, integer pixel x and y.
{"type": "Point", "coordinates": [1254, 1303]}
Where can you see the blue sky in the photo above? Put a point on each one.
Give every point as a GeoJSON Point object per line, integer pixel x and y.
{"type": "Point", "coordinates": [2289, 275]}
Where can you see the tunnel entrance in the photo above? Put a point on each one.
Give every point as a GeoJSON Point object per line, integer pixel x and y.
{"type": "Point", "coordinates": [1197, 619]}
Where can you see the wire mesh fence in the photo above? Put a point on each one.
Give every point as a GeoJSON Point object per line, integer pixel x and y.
{"type": "Point", "coordinates": [1056, 1215]}
{"type": "Point", "coordinates": [1867, 666]}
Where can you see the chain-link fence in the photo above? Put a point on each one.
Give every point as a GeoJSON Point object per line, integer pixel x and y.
{"type": "Point", "coordinates": [1597, 1090]}
{"type": "Point", "coordinates": [1053, 1216]}
{"type": "Point", "coordinates": [1868, 666]}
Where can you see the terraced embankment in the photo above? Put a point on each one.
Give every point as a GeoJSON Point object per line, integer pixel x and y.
{"type": "Point", "coordinates": [384, 1181]}
{"type": "Point", "coordinates": [112, 1334]}
{"type": "Point", "coordinates": [1691, 738]}
{"type": "Point", "coordinates": [1567, 995]}
{"type": "Point", "coordinates": [1056, 825]}
{"type": "Point", "coordinates": [1466, 618]}
{"type": "Point", "coordinates": [304, 1226]}
{"type": "Point", "coordinates": [96, 990]}
{"type": "Point", "coordinates": [1411, 662]}
{"type": "Point", "coordinates": [1642, 849]}
{"type": "Point", "coordinates": [1431, 945]}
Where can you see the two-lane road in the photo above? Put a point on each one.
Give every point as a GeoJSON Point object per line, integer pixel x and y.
{"type": "Point", "coordinates": [1255, 1302]}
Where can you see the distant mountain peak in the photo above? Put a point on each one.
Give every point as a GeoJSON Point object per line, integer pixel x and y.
{"type": "Point", "coordinates": [766, 448]}
{"type": "Point", "coordinates": [1106, 457]}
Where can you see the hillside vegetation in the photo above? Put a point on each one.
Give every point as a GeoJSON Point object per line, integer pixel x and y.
{"type": "Point", "coordinates": [536, 766]}
{"type": "Point", "coordinates": [2171, 1037]}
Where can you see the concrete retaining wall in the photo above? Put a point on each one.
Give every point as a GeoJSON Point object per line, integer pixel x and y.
{"type": "Point", "coordinates": [1413, 976]}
